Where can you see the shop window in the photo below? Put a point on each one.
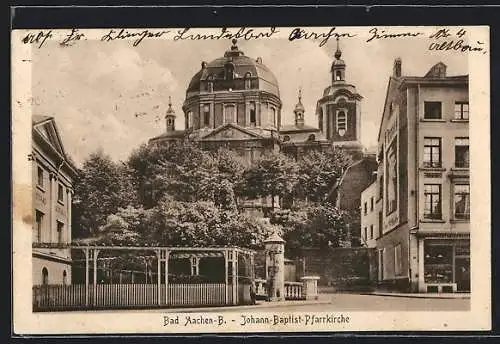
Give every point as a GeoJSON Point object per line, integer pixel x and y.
{"type": "Point", "coordinates": [253, 115]}
{"type": "Point", "coordinates": [432, 152]}
{"type": "Point", "coordinates": [39, 180]}
{"type": "Point", "coordinates": [462, 201]}
{"type": "Point", "coordinates": [45, 276]}
{"type": "Point", "coordinates": [38, 225]}
{"type": "Point", "coordinates": [438, 263]}
{"type": "Point", "coordinates": [432, 202]}
{"type": "Point", "coordinates": [398, 264]}
{"type": "Point", "coordinates": [206, 115]}
{"type": "Point", "coordinates": [60, 193]}
{"type": "Point", "coordinates": [462, 110]}
{"type": "Point", "coordinates": [462, 152]}
{"type": "Point", "coordinates": [229, 114]}
{"type": "Point", "coordinates": [432, 110]}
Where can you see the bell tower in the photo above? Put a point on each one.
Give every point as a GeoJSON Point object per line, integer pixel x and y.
{"type": "Point", "coordinates": [299, 111]}
{"type": "Point", "coordinates": [170, 117]}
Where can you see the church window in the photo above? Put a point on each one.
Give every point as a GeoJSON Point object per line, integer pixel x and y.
{"type": "Point", "coordinates": [341, 122]}
{"type": "Point", "coordinates": [273, 116]}
{"type": "Point", "coordinates": [229, 114]}
{"type": "Point", "coordinates": [253, 116]}
{"type": "Point", "coordinates": [189, 119]}
{"type": "Point", "coordinates": [206, 115]}
{"type": "Point", "coordinates": [320, 120]}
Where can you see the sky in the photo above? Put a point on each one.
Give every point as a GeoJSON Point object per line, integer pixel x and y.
{"type": "Point", "coordinates": [113, 96]}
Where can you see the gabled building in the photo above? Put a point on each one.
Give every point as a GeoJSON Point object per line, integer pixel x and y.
{"type": "Point", "coordinates": [423, 182]}
{"type": "Point", "coordinates": [53, 178]}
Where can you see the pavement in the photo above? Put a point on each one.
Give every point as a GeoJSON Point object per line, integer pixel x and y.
{"type": "Point", "coordinates": [422, 295]}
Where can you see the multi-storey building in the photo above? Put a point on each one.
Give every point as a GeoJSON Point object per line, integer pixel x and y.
{"type": "Point", "coordinates": [423, 181]}
{"type": "Point", "coordinates": [371, 216]}
{"type": "Point", "coordinates": [53, 176]}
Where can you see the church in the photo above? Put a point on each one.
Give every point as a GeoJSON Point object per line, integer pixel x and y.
{"type": "Point", "coordinates": [234, 102]}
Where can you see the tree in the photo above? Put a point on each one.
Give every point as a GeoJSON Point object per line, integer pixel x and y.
{"type": "Point", "coordinates": [319, 171]}
{"type": "Point", "coordinates": [100, 190]}
{"type": "Point", "coordinates": [274, 174]}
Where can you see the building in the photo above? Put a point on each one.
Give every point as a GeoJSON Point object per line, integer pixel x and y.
{"type": "Point", "coordinates": [339, 109]}
{"type": "Point", "coordinates": [53, 177]}
{"type": "Point", "coordinates": [423, 181]}
{"type": "Point", "coordinates": [298, 138]}
{"type": "Point", "coordinates": [371, 216]}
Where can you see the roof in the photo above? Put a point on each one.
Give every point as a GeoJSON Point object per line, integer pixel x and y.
{"type": "Point", "coordinates": [215, 69]}
{"type": "Point", "coordinates": [293, 128]}
{"type": "Point", "coordinates": [170, 134]}
{"type": "Point", "coordinates": [37, 119]}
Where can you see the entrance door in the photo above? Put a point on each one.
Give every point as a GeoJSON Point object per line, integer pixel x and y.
{"type": "Point", "coordinates": [462, 273]}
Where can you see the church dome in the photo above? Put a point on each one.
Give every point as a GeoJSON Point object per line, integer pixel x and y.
{"type": "Point", "coordinates": [233, 72]}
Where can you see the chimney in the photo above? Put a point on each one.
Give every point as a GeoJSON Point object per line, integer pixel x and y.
{"type": "Point", "coordinates": [397, 67]}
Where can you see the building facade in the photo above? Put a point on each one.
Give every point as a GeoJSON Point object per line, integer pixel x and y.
{"type": "Point", "coordinates": [371, 216]}
{"type": "Point", "coordinates": [53, 177]}
{"type": "Point", "coordinates": [423, 182]}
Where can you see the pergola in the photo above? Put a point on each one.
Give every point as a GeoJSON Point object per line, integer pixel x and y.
{"type": "Point", "coordinates": [163, 254]}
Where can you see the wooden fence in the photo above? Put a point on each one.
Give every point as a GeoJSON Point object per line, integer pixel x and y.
{"type": "Point", "coordinates": [106, 296]}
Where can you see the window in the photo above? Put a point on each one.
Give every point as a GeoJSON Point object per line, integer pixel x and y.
{"type": "Point", "coordinates": [338, 75]}
{"type": "Point", "coordinates": [462, 152]}
{"type": "Point", "coordinates": [206, 115]}
{"type": "Point", "coordinates": [311, 138]}
{"type": "Point", "coordinates": [365, 207]}
{"type": "Point", "coordinates": [432, 203]}
{"type": "Point", "coordinates": [462, 110]}
{"type": "Point", "coordinates": [60, 231]}
{"type": "Point", "coordinates": [365, 234]}
{"type": "Point", "coordinates": [40, 177]}
{"type": "Point", "coordinates": [462, 201]}
{"type": "Point", "coordinates": [45, 276]}
{"type": "Point", "coordinates": [371, 204]}
{"type": "Point", "coordinates": [64, 279]}
{"type": "Point", "coordinates": [60, 193]}
{"type": "Point", "coordinates": [229, 71]}
{"type": "Point", "coordinates": [432, 152]}
{"type": "Point", "coordinates": [195, 266]}
{"type": "Point", "coordinates": [253, 115]}
{"type": "Point", "coordinates": [229, 114]}
{"type": "Point", "coordinates": [380, 224]}
{"type": "Point", "coordinates": [248, 81]}
{"type": "Point", "coordinates": [432, 110]}
{"type": "Point", "coordinates": [341, 123]}
{"type": "Point", "coordinates": [371, 231]}
{"type": "Point", "coordinates": [320, 120]}
{"type": "Point", "coordinates": [210, 86]}
{"type": "Point", "coordinates": [38, 225]}
{"type": "Point", "coordinates": [286, 138]}
{"type": "Point", "coordinates": [381, 187]}
{"type": "Point", "coordinates": [398, 269]}
{"type": "Point", "coordinates": [273, 117]}
{"type": "Point", "coordinates": [189, 119]}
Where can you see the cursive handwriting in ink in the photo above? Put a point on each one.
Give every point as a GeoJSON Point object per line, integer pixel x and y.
{"type": "Point", "coordinates": [242, 33]}
{"type": "Point", "coordinates": [441, 33]}
{"type": "Point", "coordinates": [125, 34]}
{"type": "Point", "coordinates": [458, 45]}
{"type": "Point", "coordinates": [299, 33]}
{"type": "Point", "coordinates": [73, 36]}
{"type": "Point", "coordinates": [39, 38]}
{"type": "Point", "coordinates": [376, 34]}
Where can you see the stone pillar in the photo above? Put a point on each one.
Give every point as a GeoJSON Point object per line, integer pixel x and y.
{"type": "Point", "coordinates": [310, 287]}
{"type": "Point", "coordinates": [53, 200]}
{"type": "Point", "coordinates": [421, 272]}
{"type": "Point", "coordinates": [68, 201]}
{"type": "Point", "coordinates": [275, 267]}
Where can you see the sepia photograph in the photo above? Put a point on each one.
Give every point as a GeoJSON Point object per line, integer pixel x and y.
{"type": "Point", "coordinates": [251, 179]}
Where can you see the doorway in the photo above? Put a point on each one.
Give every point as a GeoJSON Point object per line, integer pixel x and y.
{"type": "Point", "coordinates": [462, 274]}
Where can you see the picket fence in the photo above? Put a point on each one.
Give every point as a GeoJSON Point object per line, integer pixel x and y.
{"type": "Point", "coordinates": [70, 297]}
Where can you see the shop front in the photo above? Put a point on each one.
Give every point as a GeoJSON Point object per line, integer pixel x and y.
{"type": "Point", "coordinates": [446, 265]}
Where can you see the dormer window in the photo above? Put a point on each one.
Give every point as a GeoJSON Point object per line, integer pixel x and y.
{"type": "Point", "coordinates": [229, 71]}
{"type": "Point", "coordinates": [248, 81]}
{"type": "Point", "coordinates": [206, 115]}
{"type": "Point", "coordinates": [341, 122]}
{"type": "Point", "coordinates": [210, 83]}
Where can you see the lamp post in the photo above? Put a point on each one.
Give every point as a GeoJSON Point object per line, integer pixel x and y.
{"type": "Point", "coordinates": [275, 267]}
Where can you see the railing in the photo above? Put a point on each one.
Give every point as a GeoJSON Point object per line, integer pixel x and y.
{"type": "Point", "coordinates": [293, 290]}
{"type": "Point", "coordinates": [66, 297]}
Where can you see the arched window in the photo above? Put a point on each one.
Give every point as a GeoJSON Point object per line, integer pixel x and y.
{"type": "Point", "coordinates": [311, 137]}
{"type": "Point", "coordinates": [229, 71]}
{"type": "Point", "coordinates": [341, 122]}
{"type": "Point", "coordinates": [189, 119]}
{"type": "Point", "coordinates": [229, 114]}
{"type": "Point", "coordinates": [253, 115]}
{"type": "Point", "coordinates": [206, 115]}
{"type": "Point", "coordinates": [210, 83]}
{"type": "Point", "coordinates": [45, 276]}
{"type": "Point", "coordinates": [65, 276]}
{"type": "Point", "coordinates": [338, 75]}
{"type": "Point", "coordinates": [273, 117]}
{"type": "Point", "coordinates": [320, 120]}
